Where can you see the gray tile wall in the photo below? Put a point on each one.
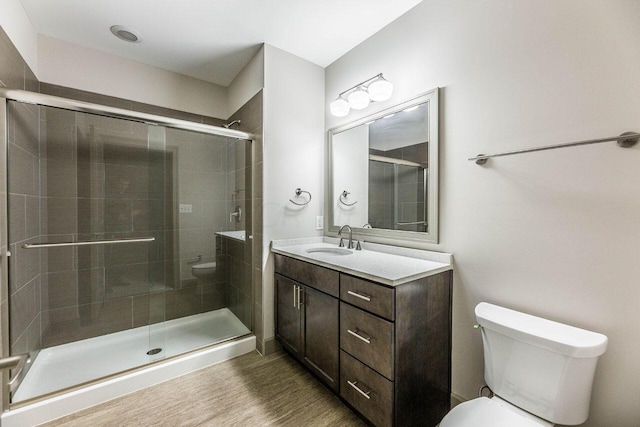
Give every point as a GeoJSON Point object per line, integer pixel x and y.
{"type": "Point", "coordinates": [24, 293]}
{"type": "Point", "coordinates": [96, 98]}
{"type": "Point", "coordinates": [202, 183]}
{"type": "Point", "coordinates": [236, 268]}
{"type": "Point", "coordinates": [99, 180]}
{"type": "Point", "coordinates": [25, 278]}
{"type": "Point", "coordinates": [251, 115]}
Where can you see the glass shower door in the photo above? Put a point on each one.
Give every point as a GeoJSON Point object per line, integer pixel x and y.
{"type": "Point", "coordinates": [74, 178]}
{"type": "Point", "coordinates": [130, 243]}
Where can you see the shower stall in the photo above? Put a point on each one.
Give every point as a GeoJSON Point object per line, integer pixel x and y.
{"type": "Point", "coordinates": [397, 199]}
{"type": "Point", "coordinates": [128, 240]}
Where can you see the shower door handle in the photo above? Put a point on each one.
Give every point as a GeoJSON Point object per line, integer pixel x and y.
{"type": "Point", "coordinates": [87, 243]}
{"type": "Point", "coordinates": [15, 362]}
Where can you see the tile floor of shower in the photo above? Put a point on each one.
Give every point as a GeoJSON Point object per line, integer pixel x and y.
{"type": "Point", "coordinates": [79, 362]}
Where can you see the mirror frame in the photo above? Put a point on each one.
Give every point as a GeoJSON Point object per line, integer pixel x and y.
{"type": "Point", "coordinates": [431, 236]}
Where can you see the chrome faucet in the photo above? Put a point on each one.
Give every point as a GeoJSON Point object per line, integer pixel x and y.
{"type": "Point", "coordinates": [341, 244]}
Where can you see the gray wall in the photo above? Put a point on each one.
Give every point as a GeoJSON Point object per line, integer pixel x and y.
{"type": "Point", "coordinates": [555, 233]}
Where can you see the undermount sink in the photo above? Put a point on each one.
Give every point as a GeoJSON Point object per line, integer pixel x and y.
{"type": "Point", "coordinates": [329, 251]}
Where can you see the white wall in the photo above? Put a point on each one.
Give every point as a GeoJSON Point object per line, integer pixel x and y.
{"type": "Point", "coordinates": [17, 25]}
{"type": "Point", "coordinates": [71, 65]}
{"type": "Point", "coordinates": [293, 156]}
{"type": "Point", "coordinates": [556, 233]}
{"type": "Point", "coordinates": [350, 153]}
{"type": "Point", "coordinates": [248, 82]}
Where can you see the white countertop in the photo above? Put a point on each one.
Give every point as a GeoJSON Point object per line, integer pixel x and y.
{"type": "Point", "coordinates": [236, 235]}
{"type": "Point", "coordinates": [390, 265]}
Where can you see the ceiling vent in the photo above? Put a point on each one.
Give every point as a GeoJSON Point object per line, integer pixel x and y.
{"type": "Point", "coordinates": [125, 33]}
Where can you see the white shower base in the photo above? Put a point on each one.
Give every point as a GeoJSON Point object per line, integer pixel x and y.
{"type": "Point", "coordinates": [70, 364]}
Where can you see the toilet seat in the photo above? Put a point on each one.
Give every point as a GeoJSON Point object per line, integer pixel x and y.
{"type": "Point", "coordinates": [494, 412]}
{"type": "Point", "coordinates": [204, 265]}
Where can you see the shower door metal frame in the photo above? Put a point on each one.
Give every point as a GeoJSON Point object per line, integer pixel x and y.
{"type": "Point", "coordinates": [5, 349]}
{"type": "Point", "coordinates": [82, 107]}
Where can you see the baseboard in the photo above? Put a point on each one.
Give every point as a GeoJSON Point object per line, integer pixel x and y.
{"type": "Point", "coordinates": [270, 346]}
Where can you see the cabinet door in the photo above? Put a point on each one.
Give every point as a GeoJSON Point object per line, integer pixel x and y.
{"type": "Point", "coordinates": [321, 335]}
{"type": "Point", "coordinates": [288, 315]}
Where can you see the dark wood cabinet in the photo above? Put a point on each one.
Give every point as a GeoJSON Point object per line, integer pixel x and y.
{"type": "Point", "coordinates": [386, 350]}
{"type": "Point", "coordinates": [289, 316]}
{"type": "Point", "coordinates": [307, 326]}
{"type": "Point", "coordinates": [321, 335]}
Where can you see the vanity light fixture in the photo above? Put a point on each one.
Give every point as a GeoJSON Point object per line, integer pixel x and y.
{"type": "Point", "coordinates": [358, 97]}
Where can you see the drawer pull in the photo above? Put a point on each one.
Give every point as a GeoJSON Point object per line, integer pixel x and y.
{"type": "Point", "coordinates": [357, 335]}
{"type": "Point", "coordinates": [357, 295]}
{"type": "Point", "coordinates": [359, 390]}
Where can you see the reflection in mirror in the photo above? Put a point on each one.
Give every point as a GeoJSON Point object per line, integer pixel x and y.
{"type": "Point", "coordinates": [383, 172]}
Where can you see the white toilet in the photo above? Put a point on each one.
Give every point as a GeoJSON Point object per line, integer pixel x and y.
{"type": "Point", "coordinates": [540, 372]}
{"type": "Point", "coordinates": [205, 273]}
{"type": "Point", "coordinates": [204, 270]}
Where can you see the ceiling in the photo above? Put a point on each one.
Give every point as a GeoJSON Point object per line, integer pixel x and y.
{"type": "Point", "coordinates": [213, 40]}
{"type": "Point", "coordinates": [401, 129]}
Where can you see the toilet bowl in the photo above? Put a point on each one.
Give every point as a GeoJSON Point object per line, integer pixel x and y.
{"type": "Point", "coordinates": [204, 270]}
{"type": "Point", "coordinates": [540, 372]}
{"type": "Point", "coordinates": [494, 412]}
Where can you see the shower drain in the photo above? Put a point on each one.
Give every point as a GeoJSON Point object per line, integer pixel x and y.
{"type": "Point", "coordinates": [154, 351]}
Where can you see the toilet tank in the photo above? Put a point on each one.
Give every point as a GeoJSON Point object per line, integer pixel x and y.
{"type": "Point", "coordinates": [541, 366]}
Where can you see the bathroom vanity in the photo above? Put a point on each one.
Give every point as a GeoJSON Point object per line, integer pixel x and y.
{"type": "Point", "coordinates": [373, 325]}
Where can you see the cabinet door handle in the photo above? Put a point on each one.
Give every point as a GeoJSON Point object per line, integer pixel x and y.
{"type": "Point", "coordinates": [295, 292]}
{"type": "Point", "coordinates": [359, 390]}
{"type": "Point", "coordinates": [357, 335]}
{"type": "Point", "coordinates": [300, 297]}
{"type": "Point", "coordinates": [357, 295]}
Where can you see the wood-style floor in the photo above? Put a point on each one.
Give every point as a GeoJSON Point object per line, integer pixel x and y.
{"type": "Point", "coordinates": [249, 390]}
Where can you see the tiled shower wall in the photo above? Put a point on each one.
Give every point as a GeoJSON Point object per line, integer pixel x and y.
{"type": "Point", "coordinates": [202, 191]}
{"type": "Point", "coordinates": [100, 180]}
{"type": "Point", "coordinates": [251, 115]}
{"type": "Point", "coordinates": [25, 279]}
{"type": "Point", "coordinates": [24, 292]}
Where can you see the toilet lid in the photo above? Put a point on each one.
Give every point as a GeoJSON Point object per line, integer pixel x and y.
{"type": "Point", "coordinates": [204, 265]}
{"type": "Point", "coordinates": [485, 412]}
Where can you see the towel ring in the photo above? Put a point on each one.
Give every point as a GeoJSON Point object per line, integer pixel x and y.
{"type": "Point", "coordinates": [344, 195]}
{"type": "Point", "coordinates": [299, 191]}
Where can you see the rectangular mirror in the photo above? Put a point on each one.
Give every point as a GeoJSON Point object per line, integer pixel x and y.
{"type": "Point", "coordinates": [383, 172]}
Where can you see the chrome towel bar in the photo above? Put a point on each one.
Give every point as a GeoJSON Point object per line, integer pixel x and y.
{"type": "Point", "coordinates": [626, 140]}
{"type": "Point", "coordinates": [94, 242]}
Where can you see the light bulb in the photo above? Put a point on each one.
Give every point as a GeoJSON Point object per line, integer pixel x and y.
{"type": "Point", "coordinates": [339, 107]}
{"type": "Point", "coordinates": [359, 99]}
{"type": "Point", "coordinates": [380, 89]}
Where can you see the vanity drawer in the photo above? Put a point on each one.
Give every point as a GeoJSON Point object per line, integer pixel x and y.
{"type": "Point", "coordinates": [366, 390]}
{"type": "Point", "coordinates": [368, 338]}
{"type": "Point", "coordinates": [320, 278]}
{"type": "Point", "coordinates": [371, 296]}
